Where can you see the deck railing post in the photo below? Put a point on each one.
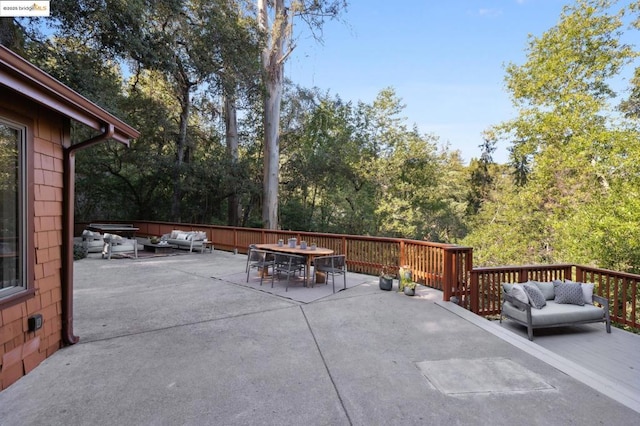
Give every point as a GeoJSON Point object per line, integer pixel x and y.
{"type": "Point", "coordinates": [475, 292]}
{"type": "Point", "coordinates": [579, 271]}
{"type": "Point", "coordinates": [447, 276]}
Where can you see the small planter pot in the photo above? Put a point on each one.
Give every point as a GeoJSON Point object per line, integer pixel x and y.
{"type": "Point", "coordinates": [409, 291]}
{"type": "Point", "coordinates": [386, 283]}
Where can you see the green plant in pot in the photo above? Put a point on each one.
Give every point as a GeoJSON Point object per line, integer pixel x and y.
{"type": "Point", "coordinates": [154, 240]}
{"type": "Point", "coordinates": [405, 281]}
{"type": "Point", "coordinates": [386, 278]}
{"type": "Point", "coordinates": [410, 288]}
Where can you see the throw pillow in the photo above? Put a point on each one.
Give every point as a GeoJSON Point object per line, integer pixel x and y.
{"type": "Point", "coordinates": [546, 288]}
{"type": "Point", "coordinates": [587, 292]}
{"type": "Point", "coordinates": [569, 293]}
{"type": "Point", "coordinates": [506, 287]}
{"type": "Point", "coordinates": [536, 298]}
{"type": "Point", "coordinates": [517, 291]}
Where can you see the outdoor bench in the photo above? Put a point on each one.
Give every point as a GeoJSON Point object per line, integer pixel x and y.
{"type": "Point", "coordinates": [553, 304]}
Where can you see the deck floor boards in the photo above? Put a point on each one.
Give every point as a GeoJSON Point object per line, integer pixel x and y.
{"type": "Point", "coordinates": [615, 356]}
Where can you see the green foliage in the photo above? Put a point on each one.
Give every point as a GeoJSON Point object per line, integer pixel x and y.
{"type": "Point", "coordinates": [568, 194]}
{"type": "Point", "coordinates": [79, 252]}
{"type": "Point", "coordinates": [570, 197]}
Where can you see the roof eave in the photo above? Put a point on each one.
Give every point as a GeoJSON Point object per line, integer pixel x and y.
{"type": "Point", "coordinates": [39, 86]}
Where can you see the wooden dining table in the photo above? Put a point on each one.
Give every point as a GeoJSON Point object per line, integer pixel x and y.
{"type": "Point", "coordinates": [308, 253]}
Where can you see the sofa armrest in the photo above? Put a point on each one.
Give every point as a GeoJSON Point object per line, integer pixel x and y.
{"type": "Point", "coordinates": [522, 306]}
{"type": "Point", "coordinates": [605, 307]}
{"type": "Point", "coordinates": [601, 300]}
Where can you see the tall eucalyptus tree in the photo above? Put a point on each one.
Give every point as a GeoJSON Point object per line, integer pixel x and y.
{"type": "Point", "coordinates": [275, 20]}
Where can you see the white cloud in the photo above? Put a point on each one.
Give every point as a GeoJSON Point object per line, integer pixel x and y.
{"type": "Point", "coordinates": [490, 13]}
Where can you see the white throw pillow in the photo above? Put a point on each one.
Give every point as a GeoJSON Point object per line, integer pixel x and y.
{"type": "Point", "coordinates": [587, 291]}
{"type": "Point", "coordinates": [519, 294]}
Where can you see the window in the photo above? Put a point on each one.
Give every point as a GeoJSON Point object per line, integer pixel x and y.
{"type": "Point", "coordinates": [13, 227]}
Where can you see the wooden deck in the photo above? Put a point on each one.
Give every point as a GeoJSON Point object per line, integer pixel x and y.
{"type": "Point", "coordinates": [610, 363]}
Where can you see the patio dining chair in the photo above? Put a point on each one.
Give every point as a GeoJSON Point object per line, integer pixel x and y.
{"type": "Point", "coordinates": [251, 247]}
{"type": "Point", "coordinates": [331, 265]}
{"type": "Point", "coordinates": [289, 264]}
{"type": "Point", "coordinates": [261, 260]}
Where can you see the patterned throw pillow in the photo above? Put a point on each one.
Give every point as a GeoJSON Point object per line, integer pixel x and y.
{"type": "Point", "coordinates": [546, 288]}
{"type": "Point", "coordinates": [569, 293]}
{"type": "Point", "coordinates": [587, 291]}
{"type": "Point", "coordinates": [536, 298]}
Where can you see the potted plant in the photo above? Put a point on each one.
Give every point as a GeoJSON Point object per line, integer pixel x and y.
{"type": "Point", "coordinates": [405, 283]}
{"type": "Point", "coordinates": [154, 240]}
{"type": "Point", "coordinates": [386, 278]}
{"type": "Point", "coordinates": [409, 288]}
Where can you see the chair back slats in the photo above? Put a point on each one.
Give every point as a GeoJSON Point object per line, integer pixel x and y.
{"type": "Point", "coordinates": [259, 259]}
{"type": "Point", "coordinates": [332, 265]}
{"type": "Point", "coordinates": [289, 264]}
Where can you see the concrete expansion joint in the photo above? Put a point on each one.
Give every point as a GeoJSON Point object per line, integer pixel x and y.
{"type": "Point", "coordinates": [326, 366]}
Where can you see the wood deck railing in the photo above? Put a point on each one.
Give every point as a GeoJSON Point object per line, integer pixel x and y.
{"type": "Point", "coordinates": [445, 267]}
{"type": "Point", "coordinates": [620, 288]}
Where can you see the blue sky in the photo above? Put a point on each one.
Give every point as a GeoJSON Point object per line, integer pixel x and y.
{"type": "Point", "coordinates": [444, 58]}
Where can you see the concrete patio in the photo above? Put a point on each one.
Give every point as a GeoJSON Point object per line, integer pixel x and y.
{"type": "Point", "coordinates": [184, 340]}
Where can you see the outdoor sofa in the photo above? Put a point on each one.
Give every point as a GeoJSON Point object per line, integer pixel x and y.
{"type": "Point", "coordinates": [187, 240]}
{"type": "Point", "coordinates": [553, 304]}
{"type": "Point", "coordinates": [117, 244]}
{"type": "Point", "coordinates": [92, 242]}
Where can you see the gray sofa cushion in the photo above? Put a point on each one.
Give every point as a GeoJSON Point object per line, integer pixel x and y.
{"type": "Point", "coordinates": [569, 293]}
{"type": "Point", "coordinates": [555, 313]}
{"type": "Point", "coordinates": [546, 287]}
{"type": "Point", "coordinates": [536, 298]}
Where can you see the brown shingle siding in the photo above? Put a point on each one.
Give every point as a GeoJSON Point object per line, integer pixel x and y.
{"type": "Point", "coordinates": [45, 107]}
{"type": "Point", "coordinates": [13, 313]}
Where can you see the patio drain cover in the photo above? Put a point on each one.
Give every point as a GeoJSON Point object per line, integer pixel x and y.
{"type": "Point", "coordinates": [484, 375]}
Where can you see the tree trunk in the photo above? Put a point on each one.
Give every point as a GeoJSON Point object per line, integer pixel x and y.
{"type": "Point", "coordinates": [231, 127]}
{"type": "Point", "coordinates": [9, 34]}
{"type": "Point", "coordinates": [181, 145]}
{"type": "Point", "coordinates": [272, 65]}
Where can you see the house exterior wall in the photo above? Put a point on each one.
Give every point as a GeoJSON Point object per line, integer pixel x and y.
{"type": "Point", "coordinates": [21, 350]}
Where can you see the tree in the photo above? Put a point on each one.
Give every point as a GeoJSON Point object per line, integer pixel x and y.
{"type": "Point", "coordinates": [275, 20]}
{"type": "Point", "coordinates": [11, 34]}
{"type": "Point", "coordinates": [568, 149]}
{"type": "Point", "coordinates": [482, 178]}
{"type": "Point", "coordinates": [199, 48]}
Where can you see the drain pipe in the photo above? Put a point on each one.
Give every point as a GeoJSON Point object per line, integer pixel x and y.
{"type": "Point", "coordinates": [69, 159]}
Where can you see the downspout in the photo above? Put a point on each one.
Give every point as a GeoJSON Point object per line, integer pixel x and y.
{"type": "Point", "coordinates": [68, 213]}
